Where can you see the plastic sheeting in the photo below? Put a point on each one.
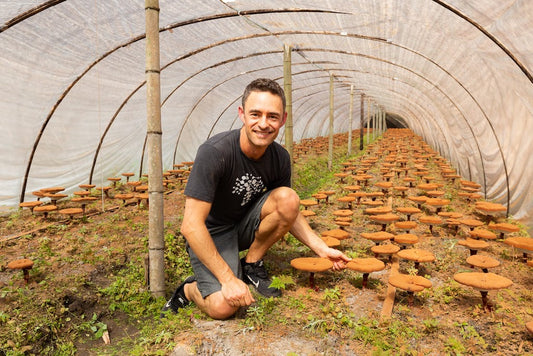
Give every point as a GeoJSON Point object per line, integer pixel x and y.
{"type": "Point", "coordinates": [72, 109]}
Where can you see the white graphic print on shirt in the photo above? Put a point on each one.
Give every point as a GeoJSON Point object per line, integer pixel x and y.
{"type": "Point", "coordinates": [249, 186]}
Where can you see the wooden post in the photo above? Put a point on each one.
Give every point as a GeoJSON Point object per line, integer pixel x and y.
{"type": "Point", "coordinates": [156, 241]}
{"type": "Point", "coordinates": [367, 121]}
{"type": "Point", "coordinates": [330, 147]}
{"type": "Point", "coordinates": [350, 122]}
{"type": "Point", "coordinates": [287, 87]}
{"type": "Point", "coordinates": [362, 122]}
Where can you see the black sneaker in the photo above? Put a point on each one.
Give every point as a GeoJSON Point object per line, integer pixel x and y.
{"type": "Point", "coordinates": [178, 299]}
{"type": "Point", "coordinates": [256, 274]}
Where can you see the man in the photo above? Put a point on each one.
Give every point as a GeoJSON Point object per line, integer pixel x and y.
{"type": "Point", "coordinates": [238, 197]}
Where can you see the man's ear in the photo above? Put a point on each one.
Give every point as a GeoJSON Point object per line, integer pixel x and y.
{"type": "Point", "coordinates": [284, 118]}
{"type": "Point", "coordinates": [241, 114]}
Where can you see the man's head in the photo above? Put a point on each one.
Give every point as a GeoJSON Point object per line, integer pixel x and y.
{"type": "Point", "coordinates": [264, 84]}
{"type": "Point", "coordinates": [263, 114]}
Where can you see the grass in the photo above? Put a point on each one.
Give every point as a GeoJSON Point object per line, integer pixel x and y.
{"type": "Point", "coordinates": [89, 277]}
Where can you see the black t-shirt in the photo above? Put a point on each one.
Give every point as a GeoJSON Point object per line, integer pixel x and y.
{"type": "Point", "coordinates": [224, 176]}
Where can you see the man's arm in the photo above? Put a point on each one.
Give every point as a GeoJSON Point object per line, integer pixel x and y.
{"type": "Point", "coordinates": [303, 232]}
{"type": "Point", "coordinates": [194, 229]}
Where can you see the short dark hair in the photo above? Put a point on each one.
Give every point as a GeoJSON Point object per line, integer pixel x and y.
{"type": "Point", "coordinates": [264, 84]}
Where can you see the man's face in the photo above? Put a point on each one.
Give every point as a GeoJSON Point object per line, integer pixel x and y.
{"type": "Point", "coordinates": [262, 116]}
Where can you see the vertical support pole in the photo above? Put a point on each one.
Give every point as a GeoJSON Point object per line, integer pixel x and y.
{"type": "Point", "coordinates": [350, 122]}
{"type": "Point", "coordinates": [362, 121]}
{"type": "Point", "coordinates": [287, 88]}
{"type": "Point", "coordinates": [374, 121]}
{"type": "Point", "coordinates": [367, 121]}
{"type": "Point", "coordinates": [156, 241]}
{"type": "Point", "coordinates": [384, 120]}
{"type": "Point", "coordinates": [330, 147]}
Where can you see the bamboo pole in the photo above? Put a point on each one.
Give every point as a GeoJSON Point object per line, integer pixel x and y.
{"type": "Point", "coordinates": [361, 123]}
{"type": "Point", "coordinates": [350, 122]}
{"type": "Point", "coordinates": [367, 121]}
{"type": "Point", "coordinates": [330, 147]}
{"type": "Point", "coordinates": [287, 87]}
{"type": "Point", "coordinates": [156, 241]}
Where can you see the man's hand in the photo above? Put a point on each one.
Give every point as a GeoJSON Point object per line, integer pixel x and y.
{"type": "Point", "coordinates": [237, 293]}
{"type": "Point", "coordinates": [338, 258]}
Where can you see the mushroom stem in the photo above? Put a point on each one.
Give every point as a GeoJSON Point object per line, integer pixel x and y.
{"type": "Point", "coordinates": [365, 280]}
{"type": "Point", "coordinates": [484, 301]}
{"type": "Point", "coordinates": [410, 298]}
{"type": "Point", "coordinates": [312, 280]}
{"type": "Point", "coordinates": [26, 275]}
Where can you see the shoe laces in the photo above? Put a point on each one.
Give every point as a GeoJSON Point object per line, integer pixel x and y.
{"type": "Point", "coordinates": [259, 270]}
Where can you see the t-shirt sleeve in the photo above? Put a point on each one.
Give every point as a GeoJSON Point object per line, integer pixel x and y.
{"type": "Point", "coordinates": [205, 174]}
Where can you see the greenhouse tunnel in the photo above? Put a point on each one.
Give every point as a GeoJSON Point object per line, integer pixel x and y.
{"type": "Point", "coordinates": [73, 108]}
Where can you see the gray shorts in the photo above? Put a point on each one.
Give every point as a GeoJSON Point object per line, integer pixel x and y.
{"type": "Point", "coordinates": [229, 241]}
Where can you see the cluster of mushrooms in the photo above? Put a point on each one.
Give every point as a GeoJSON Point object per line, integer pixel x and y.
{"type": "Point", "coordinates": [401, 192]}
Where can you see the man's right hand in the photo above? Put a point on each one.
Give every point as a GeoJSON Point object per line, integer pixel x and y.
{"type": "Point", "coordinates": [237, 293]}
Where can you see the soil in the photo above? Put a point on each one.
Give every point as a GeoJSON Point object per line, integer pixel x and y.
{"type": "Point", "coordinates": [340, 318]}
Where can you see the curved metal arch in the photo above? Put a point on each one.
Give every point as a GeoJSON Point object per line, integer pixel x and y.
{"type": "Point", "coordinates": [29, 13]}
{"type": "Point", "coordinates": [493, 38]}
{"type": "Point", "coordinates": [470, 94]}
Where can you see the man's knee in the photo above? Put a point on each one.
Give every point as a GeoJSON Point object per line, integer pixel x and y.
{"type": "Point", "coordinates": [218, 308]}
{"type": "Point", "coordinates": [287, 202]}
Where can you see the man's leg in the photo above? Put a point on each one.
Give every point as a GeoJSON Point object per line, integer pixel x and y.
{"type": "Point", "coordinates": [278, 214]}
{"type": "Point", "coordinates": [213, 305]}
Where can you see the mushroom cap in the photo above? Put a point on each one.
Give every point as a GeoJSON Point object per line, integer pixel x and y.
{"type": "Point", "coordinates": [307, 213]}
{"type": "Point", "coordinates": [504, 227]}
{"type": "Point", "coordinates": [482, 261]}
{"type": "Point", "coordinates": [86, 186]}
{"type": "Point", "coordinates": [45, 208]}
{"type": "Point", "coordinates": [330, 241]}
{"type": "Point", "coordinates": [405, 225]}
{"type": "Point", "coordinates": [438, 202]}
{"type": "Point", "coordinates": [102, 188]}
{"type": "Point", "coordinates": [417, 255]}
{"type": "Point", "coordinates": [473, 244]}
{"type": "Point", "coordinates": [377, 236]}
{"type": "Point", "coordinates": [124, 196]}
{"type": "Point", "coordinates": [308, 202]}
{"type": "Point", "coordinates": [71, 211]}
{"type": "Point", "coordinates": [346, 199]}
{"type": "Point", "coordinates": [529, 327]}
{"type": "Point", "coordinates": [406, 239]}
{"type": "Point", "coordinates": [82, 193]}
{"type": "Point", "coordinates": [427, 186]}
{"type": "Point", "coordinates": [430, 220]}
{"type": "Point", "coordinates": [114, 179]}
{"type": "Point", "coordinates": [418, 198]}
{"type": "Point", "coordinates": [83, 199]}
{"type": "Point", "coordinates": [435, 193]}
{"type": "Point", "coordinates": [52, 190]}
{"type": "Point", "coordinates": [378, 210]}
{"type": "Point", "coordinates": [408, 210]}
{"type": "Point", "coordinates": [523, 243]}
{"type": "Point", "coordinates": [327, 192]}
{"type": "Point", "coordinates": [400, 188]}
{"type": "Point", "coordinates": [384, 218]}
{"type": "Point", "coordinates": [30, 204]}
{"type": "Point", "coordinates": [489, 207]}
{"type": "Point", "coordinates": [319, 196]}
{"type": "Point", "coordinates": [343, 212]}
{"type": "Point", "coordinates": [470, 184]}
{"type": "Point", "coordinates": [366, 265]}
{"type": "Point", "coordinates": [450, 214]}
{"type": "Point", "coordinates": [311, 264]}
{"type": "Point", "coordinates": [384, 185]}
{"type": "Point", "coordinates": [372, 202]}
{"type": "Point", "coordinates": [352, 188]}
{"type": "Point", "coordinates": [409, 283]}
{"type": "Point", "coordinates": [128, 174]}
{"type": "Point", "coordinates": [134, 183]}
{"type": "Point", "coordinates": [23, 263]}
{"type": "Point", "coordinates": [385, 249]}
{"type": "Point", "coordinates": [482, 281]}
{"type": "Point", "coordinates": [336, 233]}
{"type": "Point", "coordinates": [471, 222]}
{"type": "Point", "coordinates": [483, 234]}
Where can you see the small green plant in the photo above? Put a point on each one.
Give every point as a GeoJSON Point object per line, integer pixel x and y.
{"type": "Point", "coordinates": [430, 325]}
{"type": "Point", "coordinates": [332, 294]}
{"type": "Point", "coordinates": [281, 282]}
{"type": "Point", "coordinates": [454, 346]}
